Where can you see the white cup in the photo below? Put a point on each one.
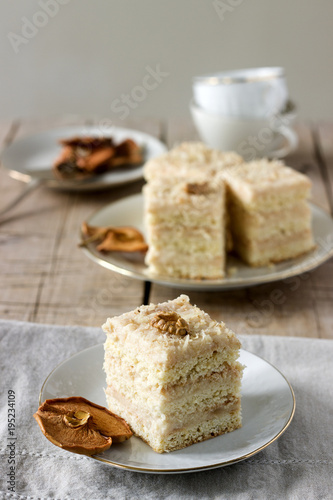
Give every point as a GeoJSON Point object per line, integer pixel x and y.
{"type": "Point", "coordinates": [250, 137]}
{"type": "Point", "coordinates": [250, 93]}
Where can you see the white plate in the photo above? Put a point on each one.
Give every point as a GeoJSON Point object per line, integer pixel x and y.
{"type": "Point", "coordinates": [33, 157]}
{"type": "Point", "coordinates": [129, 212]}
{"type": "Point", "coordinates": [268, 406]}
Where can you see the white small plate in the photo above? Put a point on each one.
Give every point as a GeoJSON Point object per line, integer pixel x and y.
{"type": "Point", "coordinates": [268, 406]}
{"type": "Point", "coordinates": [129, 212]}
{"type": "Point", "coordinates": [33, 156]}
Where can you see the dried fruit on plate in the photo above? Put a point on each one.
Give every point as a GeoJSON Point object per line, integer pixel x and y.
{"type": "Point", "coordinates": [114, 239]}
{"type": "Point", "coordinates": [83, 157]}
{"type": "Point", "coordinates": [78, 425]}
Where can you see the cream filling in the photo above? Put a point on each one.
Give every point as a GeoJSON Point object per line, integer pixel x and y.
{"type": "Point", "coordinates": [195, 263]}
{"type": "Point", "coordinates": [163, 425]}
{"type": "Point", "coordinates": [164, 243]}
{"type": "Point", "coordinates": [172, 371]}
{"type": "Point", "coordinates": [173, 397]}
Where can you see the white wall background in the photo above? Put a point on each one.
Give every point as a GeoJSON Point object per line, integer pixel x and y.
{"type": "Point", "coordinates": [84, 54]}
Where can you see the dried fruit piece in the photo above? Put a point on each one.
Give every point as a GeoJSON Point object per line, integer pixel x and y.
{"type": "Point", "coordinates": [127, 152]}
{"type": "Point", "coordinates": [170, 322]}
{"type": "Point", "coordinates": [123, 239]}
{"type": "Point", "coordinates": [92, 233]}
{"type": "Point", "coordinates": [82, 157]}
{"type": "Point", "coordinates": [78, 425]}
{"type": "Point", "coordinates": [114, 239]}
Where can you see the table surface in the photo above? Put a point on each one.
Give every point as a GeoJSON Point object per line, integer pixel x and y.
{"type": "Point", "coordinates": [46, 278]}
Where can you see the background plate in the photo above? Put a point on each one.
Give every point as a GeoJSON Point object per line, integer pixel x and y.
{"type": "Point", "coordinates": [129, 212]}
{"type": "Point", "coordinates": [33, 156]}
{"type": "Point", "coordinates": [268, 406]}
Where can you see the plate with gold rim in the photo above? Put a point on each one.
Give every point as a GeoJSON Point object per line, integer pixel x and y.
{"type": "Point", "coordinates": [129, 212]}
{"type": "Point", "coordinates": [268, 406]}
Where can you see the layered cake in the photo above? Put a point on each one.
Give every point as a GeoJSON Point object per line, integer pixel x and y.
{"type": "Point", "coordinates": [264, 217]}
{"type": "Point", "coordinates": [185, 230]}
{"type": "Point", "coordinates": [188, 159]}
{"type": "Point", "coordinates": [270, 218]}
{"type": "Point", "coordinates": [172, 373]}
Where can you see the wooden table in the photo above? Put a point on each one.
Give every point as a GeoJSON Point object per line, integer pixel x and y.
{"type": "Point", "coordinates": [46, 278]}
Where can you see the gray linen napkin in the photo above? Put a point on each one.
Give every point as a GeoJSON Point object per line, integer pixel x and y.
{"type": "Point", "coordinates": [296, 466]}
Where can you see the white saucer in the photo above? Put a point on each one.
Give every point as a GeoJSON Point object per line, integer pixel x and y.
{"type": "Point", "coordinates": [268, 406]}
{"type": "Point", "coordinates": [33, 156]}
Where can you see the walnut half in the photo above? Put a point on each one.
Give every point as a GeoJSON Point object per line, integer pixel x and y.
{"type": "Point", "coordinates": [170, 322]}
{"type": "Point", "coordinates": [78, 425]}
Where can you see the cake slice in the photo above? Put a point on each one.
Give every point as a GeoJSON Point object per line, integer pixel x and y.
{"type": "Point", "coordinates": [172, 373]}
{"type": "Point", "coordinates": [270, 218]}
{"type": "Point", "coordinates": [185, 231]}
{"type": "Point", "coordinates": [185, 163]}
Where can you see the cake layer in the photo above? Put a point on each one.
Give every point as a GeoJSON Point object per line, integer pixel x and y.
{"type": "Point", "coordinates": [172, 217]}
{"type": "Point", "coordinates": [174, 414]}
{"type": "Point", "coordinates": [182, 416]}
{"type": "Point", "coordinates": [177, 435]}
{"type": "Point", "coordinates": [197, 269]}
{"type": "Point", "coordinates": [263, 225]}
{"type": "Point", "coordinates": [131, 334]}
{"type": "Point", "coordinates": [161, 372]}
{"type": "Point", "coordinates": [277, 249]}
{"type": "Point", "coordinates": [211, 427]}
{"type": "Point", "coordinates": [190, 203]}
{"type": "Point", "coordinates": [187, 260]}
{"type": "Point", "coordinates": [266, 185]}
{"type": "Point", "coordinates": [194, 240]}
{"type": "Point", "coordinates": [215, 384]}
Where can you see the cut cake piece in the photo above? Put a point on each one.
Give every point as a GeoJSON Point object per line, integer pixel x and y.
{"type": "Point", "coordinates": [270, 218]}
{"type": "Point", "coordinates": [172, 373]}
{"type": "Point", "coordinates": [185, 231]}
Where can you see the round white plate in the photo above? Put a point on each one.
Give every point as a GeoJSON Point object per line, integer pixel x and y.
{"type": "Point", "coordinates": [268, 406]}
{"type": "Point", "coordinates": [33, 156]}
{"type": "Point", "coordinates": [129, 212]}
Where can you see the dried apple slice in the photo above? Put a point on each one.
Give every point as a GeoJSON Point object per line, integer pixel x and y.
{"type": "Point", "coordinates": [114, 239]}
{"type": "Point", "coordinates": [78, 425]}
